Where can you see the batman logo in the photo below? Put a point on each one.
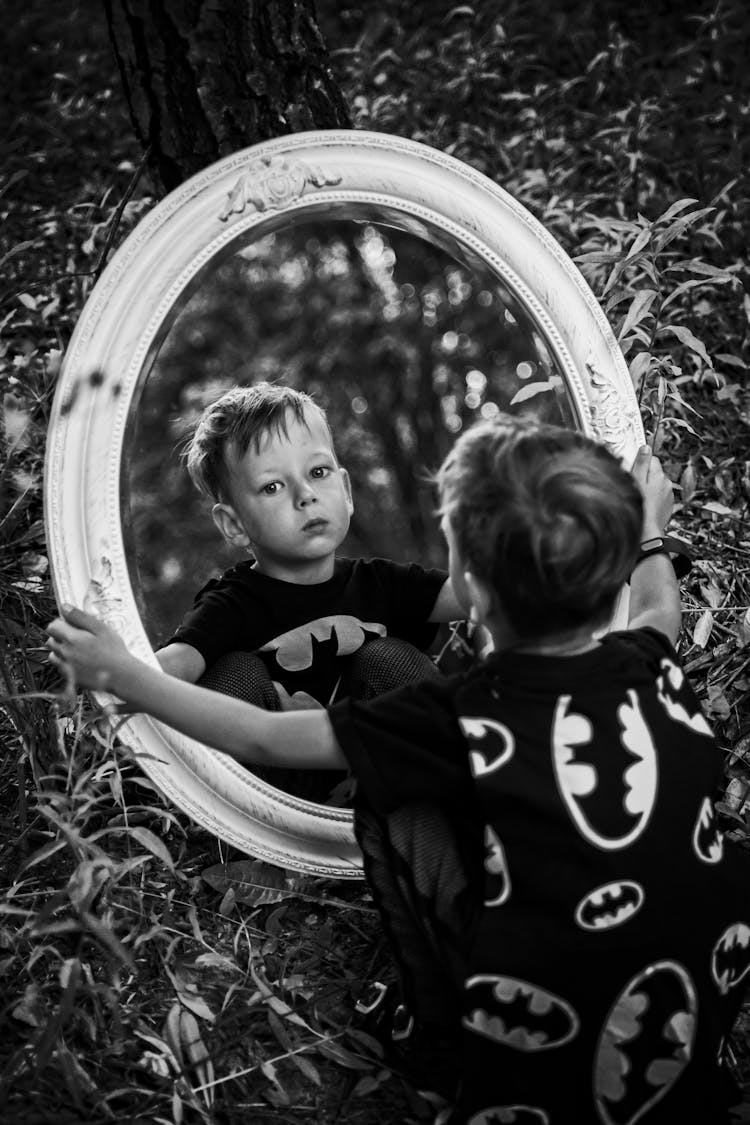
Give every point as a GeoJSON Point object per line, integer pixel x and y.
{"type": "Point", "coordinates": [708, 840]}
{"type": "Point", "coordinates": [510, 1115]}
{"type": "Point", "coordinates": [669, 686]}
{"type": "Point", "coordinates": [609, 905]}
{"type": "Point", "coordinates": [610, 806]}
{"type": "Point", "coordinates": [499, 748]}
{"type": "Point", "coordinates": [497, 878]}
{"type": "Point", "coordinates": [518, 1014]}
{"type": "Point", "coordinates": [646, 1043]}
{"type": "Point", "coordinates": [295, 650]}
{"type": "Point", "coordinates": [730, 959]}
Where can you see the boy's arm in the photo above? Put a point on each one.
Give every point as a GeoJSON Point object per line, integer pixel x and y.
{"type": "Point", "coordinates": [654, 592]}
{"type": "Point", "coordinates": [447, 606]}
{"type": "Point", "coordinates": [96, 657]}
{"type": "Point", "coordinates": [181, 660]}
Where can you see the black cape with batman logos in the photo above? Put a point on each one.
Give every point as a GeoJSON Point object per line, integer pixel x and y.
{"type": "Point", "coordinates": [541, 839]}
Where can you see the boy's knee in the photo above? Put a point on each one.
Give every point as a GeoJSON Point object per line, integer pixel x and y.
{"type": "Point", "coordinates": [243, 675]}
{"type": "Point", "coordinates": [386, 663]}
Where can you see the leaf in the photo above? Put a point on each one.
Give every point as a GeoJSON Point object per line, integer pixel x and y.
{"type": "Point", "coordinates": [712, 594]}
{"type": "Point", "coordinates": [675, 209]}
{"type": "Point", "coordinates": [731, 360]}
{"type": "Point", "coordinates": [688, 482]}
{"type": "Point", "coordinates": [156, 846]}
{"type": "Point", "coordinates": [31, 1009]}
{"type": "Point", "coordinates": [253, 881]}
{"type": "Point", "coordinates": [639, 367]}
{"type": "Point", "coordinates": [717, 703]}
{"type": "Point", "coordinates": [340, 1055]}
{"type": "Point", "coordinates": [369, 1083]}
{"type": "Point", "coordinates": [743, 628]}
{"type": "Point", "coordinates": [680, 226]}
{"type": "Point", "coordinates": [308, 1068]}
{"type": "Point", "coordinates": [274, 920]}
{"type": "Point", "coordinates": [532, 389]}
{"type": "Point", "coordinates": [719, 508]}
{"type": "Point", "coordinates": [638, 310]}
{"type": "Point", "coordinates": [685, 286]}
{"type": "Point", "coordinates": [196, 1053]}
{"type": "Point", "coordinates": [280, 1031]}
{"type": "Point", "coordinates": [596, 257]}
{"type": "Point", "coordinates": [686, 337]}
{"type": "Point", "coordinates": [269, 1070]}
{"type": "Point", "coordinates": [702, 630]}
{"type": "Point", "coordinates": [640, 241]}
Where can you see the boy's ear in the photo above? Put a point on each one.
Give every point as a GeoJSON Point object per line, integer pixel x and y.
{"type": "Point", "coordinates": [480, 595]}
{"type": "Point", "coordinates": [347, 490]}
{"type": "Point", "coordinates": [228, 523]}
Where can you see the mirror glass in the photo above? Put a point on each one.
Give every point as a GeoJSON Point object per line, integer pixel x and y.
{"type": "Point", "coordinates": [402, 341]}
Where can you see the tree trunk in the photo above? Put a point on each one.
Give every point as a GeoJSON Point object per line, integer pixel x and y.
{"type": "Point", "coordinates": [204, 78]}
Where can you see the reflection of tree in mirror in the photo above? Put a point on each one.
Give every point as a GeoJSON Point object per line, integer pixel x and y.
{"type": "Point", "coordinates": [403, 343]}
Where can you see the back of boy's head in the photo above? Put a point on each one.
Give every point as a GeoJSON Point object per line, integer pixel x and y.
{"type": "Point", "coordinates": [238, 419]}
{"type": "Point", "coordinates": [546, 517]}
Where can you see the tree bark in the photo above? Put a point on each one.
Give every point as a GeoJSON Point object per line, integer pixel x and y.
{"type": "Point", "coordinates": [204, 78]}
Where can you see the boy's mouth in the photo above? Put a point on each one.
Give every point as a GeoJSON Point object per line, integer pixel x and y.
{"type": "Point", "coordinates": [315, 525]}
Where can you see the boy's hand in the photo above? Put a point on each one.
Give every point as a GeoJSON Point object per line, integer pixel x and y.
{"type": "Point", "coordinates": [85, 648]}
{"type": "Point", "coordinates": [300, 701]}
{"type": "Point", "coordinates": [658, 493]}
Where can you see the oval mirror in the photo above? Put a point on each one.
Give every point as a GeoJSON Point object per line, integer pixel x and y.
{"type": "Point", "coordinates": [405, 290]}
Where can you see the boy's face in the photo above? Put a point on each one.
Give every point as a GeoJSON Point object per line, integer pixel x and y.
{"type": "Point", "coordinates": [290, 502]}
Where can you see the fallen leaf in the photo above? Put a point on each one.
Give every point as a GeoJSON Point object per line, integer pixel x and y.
{"type": "Point", "coordinates": [254, 882]}
{"type": "Point", "coordinates": [703, 627]}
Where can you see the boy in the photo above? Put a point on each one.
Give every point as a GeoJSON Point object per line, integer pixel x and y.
{"type": "Point", "coordinates": [539, 832]}
{"type": "Point", "coordinates": [293, 619]}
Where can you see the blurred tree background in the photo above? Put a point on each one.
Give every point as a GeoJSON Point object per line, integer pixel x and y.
{"type": "Point", "coordinates": [401, 342]}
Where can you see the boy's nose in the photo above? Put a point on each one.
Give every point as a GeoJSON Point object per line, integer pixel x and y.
{"type": "Point", "coordinates": [305, 494]}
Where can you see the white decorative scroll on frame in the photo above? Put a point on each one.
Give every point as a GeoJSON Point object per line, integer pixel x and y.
{"type": "Point", "coordinates": [322, 174]}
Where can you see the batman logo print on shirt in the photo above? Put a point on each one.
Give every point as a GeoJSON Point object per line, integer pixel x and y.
{"type": "Point", "coordinates": [609, 905]}
{"type": "Point", "coordinates": [295, 650]}
{"type": "Point", "coordinates": [496, 877]}
{"type": "Point", "coordinates": [517, 1014]}
{"type": "Point", "coordinates": [491, 744]}
{"type": "Point", "coordinates": [646, 1043]}
{"type": "Point", "coordinates": [609, 795]}
{"type": "Point", "coordinates": [510, 1115]}
{"type": "Point", "coordinates": [708, 839]}
{"type": "Point", "coordinates": [730, 959]}
{"type": "Point", "coordinates": [677, 701]}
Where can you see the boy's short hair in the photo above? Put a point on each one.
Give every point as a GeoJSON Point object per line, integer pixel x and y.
{"type": "Point", "coordinates": [547, 517]}
{"type": "Point", "coordinates": [237, 420]}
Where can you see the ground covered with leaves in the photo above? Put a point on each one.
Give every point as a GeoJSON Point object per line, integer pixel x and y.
{"type": "Point", "coordinates": [146, 976]}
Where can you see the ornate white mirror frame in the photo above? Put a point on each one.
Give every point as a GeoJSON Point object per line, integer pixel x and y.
{"type": "Point", "coordinates": [128, 314]}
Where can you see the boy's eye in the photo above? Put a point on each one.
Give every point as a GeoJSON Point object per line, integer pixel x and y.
{"type": "Point", "coordinates": [271, 488]}
{"type": "Point", "coordinates": [320, 471]}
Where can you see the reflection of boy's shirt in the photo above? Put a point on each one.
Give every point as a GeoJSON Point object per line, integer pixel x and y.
{"type": "Point", "coordinates": [613, 937]}
{"type": "Point", "coordinates": [301, 632]}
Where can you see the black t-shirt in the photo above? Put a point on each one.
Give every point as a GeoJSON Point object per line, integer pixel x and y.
{"type": "Point", "coordinates": [614, 928]}
{"type": "Point", "coordinates": [302, 632]}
